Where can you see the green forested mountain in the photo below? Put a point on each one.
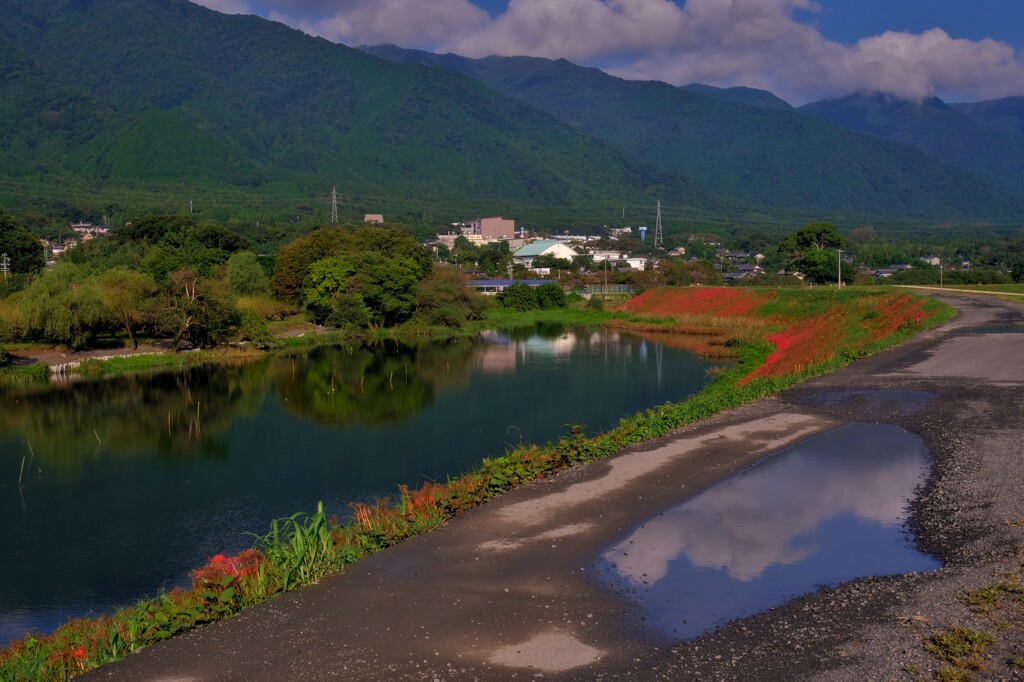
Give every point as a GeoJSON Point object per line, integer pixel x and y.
{"type": "Point", "coordinates": [118, 105]}
{"type": "Point", "coordinates": [764, 154]}
{"type": "Point", "coordinates": [946, 133]}
{"type": "Point", "coordinates": [1005, 115]}
{"type": "Point", "coordinates": [741, 95]}
{"type": "Point", "coordinates": [115, 100]}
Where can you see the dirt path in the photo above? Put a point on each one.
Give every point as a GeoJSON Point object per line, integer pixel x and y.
{"type": "Point", "coordinates": [509, 590]}
{"type": "Point", "coordinates": [53, 357]}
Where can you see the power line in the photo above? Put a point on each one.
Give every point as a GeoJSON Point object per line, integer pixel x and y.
{"type": "Point", "coordinates": [659, 236]}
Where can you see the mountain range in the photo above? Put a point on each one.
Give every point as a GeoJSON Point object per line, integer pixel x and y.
{"type": "Point", "coordinates": [750, 144]}
{"type": "Point", "coordinates": [128, 105]}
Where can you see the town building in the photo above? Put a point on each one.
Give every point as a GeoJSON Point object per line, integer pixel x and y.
{"type": "Point", "coordinates": [543, 247]}
{"type": "Point", "coordinates": [491, 228]}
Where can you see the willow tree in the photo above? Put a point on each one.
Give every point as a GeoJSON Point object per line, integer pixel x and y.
{"type": "Point", "coordinates": [126, 296]}
{"type": "Point", "coordinates": [60, 306]}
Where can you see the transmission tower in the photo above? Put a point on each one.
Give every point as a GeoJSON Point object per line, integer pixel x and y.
{"type": "Point", "coordinates": [659, 238]}
{"type": "Point", "coordinates": [5, 264]}
{"type": "Point", "coordinates": [334, 206]}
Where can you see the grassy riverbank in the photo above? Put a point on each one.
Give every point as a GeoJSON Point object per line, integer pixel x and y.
{"type": "Point", "coordinates": [777, 338]}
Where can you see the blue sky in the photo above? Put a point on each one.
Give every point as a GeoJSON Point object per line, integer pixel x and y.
{"type": "Point", "coordinates": [801, 50]}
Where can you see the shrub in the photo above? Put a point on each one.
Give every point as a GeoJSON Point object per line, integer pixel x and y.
{"type": "Point", "coordinates": [521, 297]}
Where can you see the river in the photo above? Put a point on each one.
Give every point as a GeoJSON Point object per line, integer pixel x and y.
{"type": "Point", "coordinates": [129, 483]}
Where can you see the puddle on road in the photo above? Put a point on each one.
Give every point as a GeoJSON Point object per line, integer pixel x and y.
{"type": "Point", "coordinates": [828, 510]}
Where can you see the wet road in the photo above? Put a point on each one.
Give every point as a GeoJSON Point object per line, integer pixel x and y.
{"type": "Point", "coordinates": [508, 591]}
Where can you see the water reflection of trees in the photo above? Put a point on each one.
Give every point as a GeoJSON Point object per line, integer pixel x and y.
{"type": "Point", "coordinates": [353, 385]}
{"type": "Point", "coordinates": [175, 414]}
{"type": "Point", "coordinates": [184, 413]}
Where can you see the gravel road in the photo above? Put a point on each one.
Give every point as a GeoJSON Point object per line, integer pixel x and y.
{"type": "Point", "coordinates": [509, 591]}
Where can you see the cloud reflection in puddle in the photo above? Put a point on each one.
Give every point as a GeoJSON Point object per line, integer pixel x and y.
{"type": "Point", "coordinates": [830, 509]}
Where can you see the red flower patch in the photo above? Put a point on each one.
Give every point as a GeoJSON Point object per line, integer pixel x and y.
{"type": "Point", "coordinates": [711, 301]}
{"type": "Point", "coordinates": [800, 345]}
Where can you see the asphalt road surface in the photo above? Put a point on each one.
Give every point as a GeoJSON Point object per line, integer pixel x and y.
{"type": "Point", "coordinates": [508, 591]}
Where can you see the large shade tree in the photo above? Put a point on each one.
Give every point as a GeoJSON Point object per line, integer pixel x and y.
{"type": "Point", "coordinates": [814, 251]}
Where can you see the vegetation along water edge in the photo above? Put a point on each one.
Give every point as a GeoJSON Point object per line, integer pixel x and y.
{"type": "Point", "coordinates": [778, 337]}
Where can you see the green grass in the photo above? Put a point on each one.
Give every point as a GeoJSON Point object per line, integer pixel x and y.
{"type": "Point", "coordinates": [131, 364]}
{"type": "Point", "coordinates": [962, 648]}
{"type": "Point", "coordinates": [984, 600]}
{"type": "Point", "coordinates": [23, 375]}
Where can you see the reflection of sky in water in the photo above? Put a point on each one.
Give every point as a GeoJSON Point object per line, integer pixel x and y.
{"type": "Point", "coordinates": [828, 510]}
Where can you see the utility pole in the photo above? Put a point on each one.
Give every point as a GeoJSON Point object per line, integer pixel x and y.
{"type": "Point", "coordinates": [334, 205]}
{"type": "Point", "coordinates": [940, 274]}
{"type": "Point", "coordinates": [839, 254]}
{"type": "Point", "coordinates": [5, 265]}
{"type": "Point", "coordinates": [659, 237]}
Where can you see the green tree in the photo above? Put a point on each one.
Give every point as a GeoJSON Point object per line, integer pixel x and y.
{"type": "Point", "coordinates": [444, 300]}
{"type": "Point", "coordinates": [245, 275]}
{"type": "Point", "coordinates": [126, 296]}
{"type": "Point", "coordinates": [822, 267]}
{"type": "Point", "coordinates": [153, 228]}
{"type": "Point", "coordinates": [812, 251]}
{"type": "Point", "coordinates": [329, 297]}
{"type": "Point", "coordinates": [61, 307]}
{"type": "Point", "coordinates": [213, 235]}
{"type": "Point", "coordinates": [21, 246]}
{"type": "Point", "coordinates": [679, 273]}
{"type": "Point", "coordinates": [195, 310]}
{"type": "Point", "coordinates": [519, 297]}
{"type": "Point", "coordinates": [181, 252]}
{"type": "Point", "coordinates": [1017, 270]}
{"type": "Point", "coordinates": [387, 286]}
{"type": "Point", "coordinates": [550, 296]}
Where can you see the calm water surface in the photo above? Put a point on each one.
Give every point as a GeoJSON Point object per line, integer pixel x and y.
{"type": "Point", "coordinates": [829, 510]}
{"type": "Point", "coordinates": [131, 483]}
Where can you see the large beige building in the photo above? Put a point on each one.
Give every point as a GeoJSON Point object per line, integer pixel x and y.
{"type": "Point", "coordinates": [491, 228]}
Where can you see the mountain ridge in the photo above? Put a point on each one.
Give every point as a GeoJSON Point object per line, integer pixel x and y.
{"type": "Point", "coordinates": [781, 158]}
{"type": "Point", "coordinates": [179, 93]}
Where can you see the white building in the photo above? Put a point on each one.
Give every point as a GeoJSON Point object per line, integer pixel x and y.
{"type": "Point", "coordinates": [543, 247]}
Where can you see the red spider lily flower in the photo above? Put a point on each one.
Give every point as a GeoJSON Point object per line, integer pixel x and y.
{"type": "Point", "coordinates": [78, 654]}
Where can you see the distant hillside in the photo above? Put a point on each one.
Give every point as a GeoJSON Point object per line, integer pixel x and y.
{"type": "Point", "coordinates": [769, 156]}
{"type": "Point", "coordinates": [740, 95]}
{"type": "Point", "coordinates": [946, 133]}
{"type": "Point", "coordinates": [1005, 115]}
{"type": "Point", "coordinates": [140, 98]}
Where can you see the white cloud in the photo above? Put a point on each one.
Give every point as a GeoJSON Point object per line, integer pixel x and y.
{"type": "Point", "coordinates": [574, 29]}
{"type": "Point", "coordinates": [759, 43]}
{"type": "Point", "coordinates": [765, 517]}
{"type": "Point", "coordinates": [409, 23]}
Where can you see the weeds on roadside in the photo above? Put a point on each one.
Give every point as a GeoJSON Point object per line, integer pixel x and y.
{"type": "Point", "coordinates": [985, 599]}
{"type": "Point", "coordinates": [962, 648]}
